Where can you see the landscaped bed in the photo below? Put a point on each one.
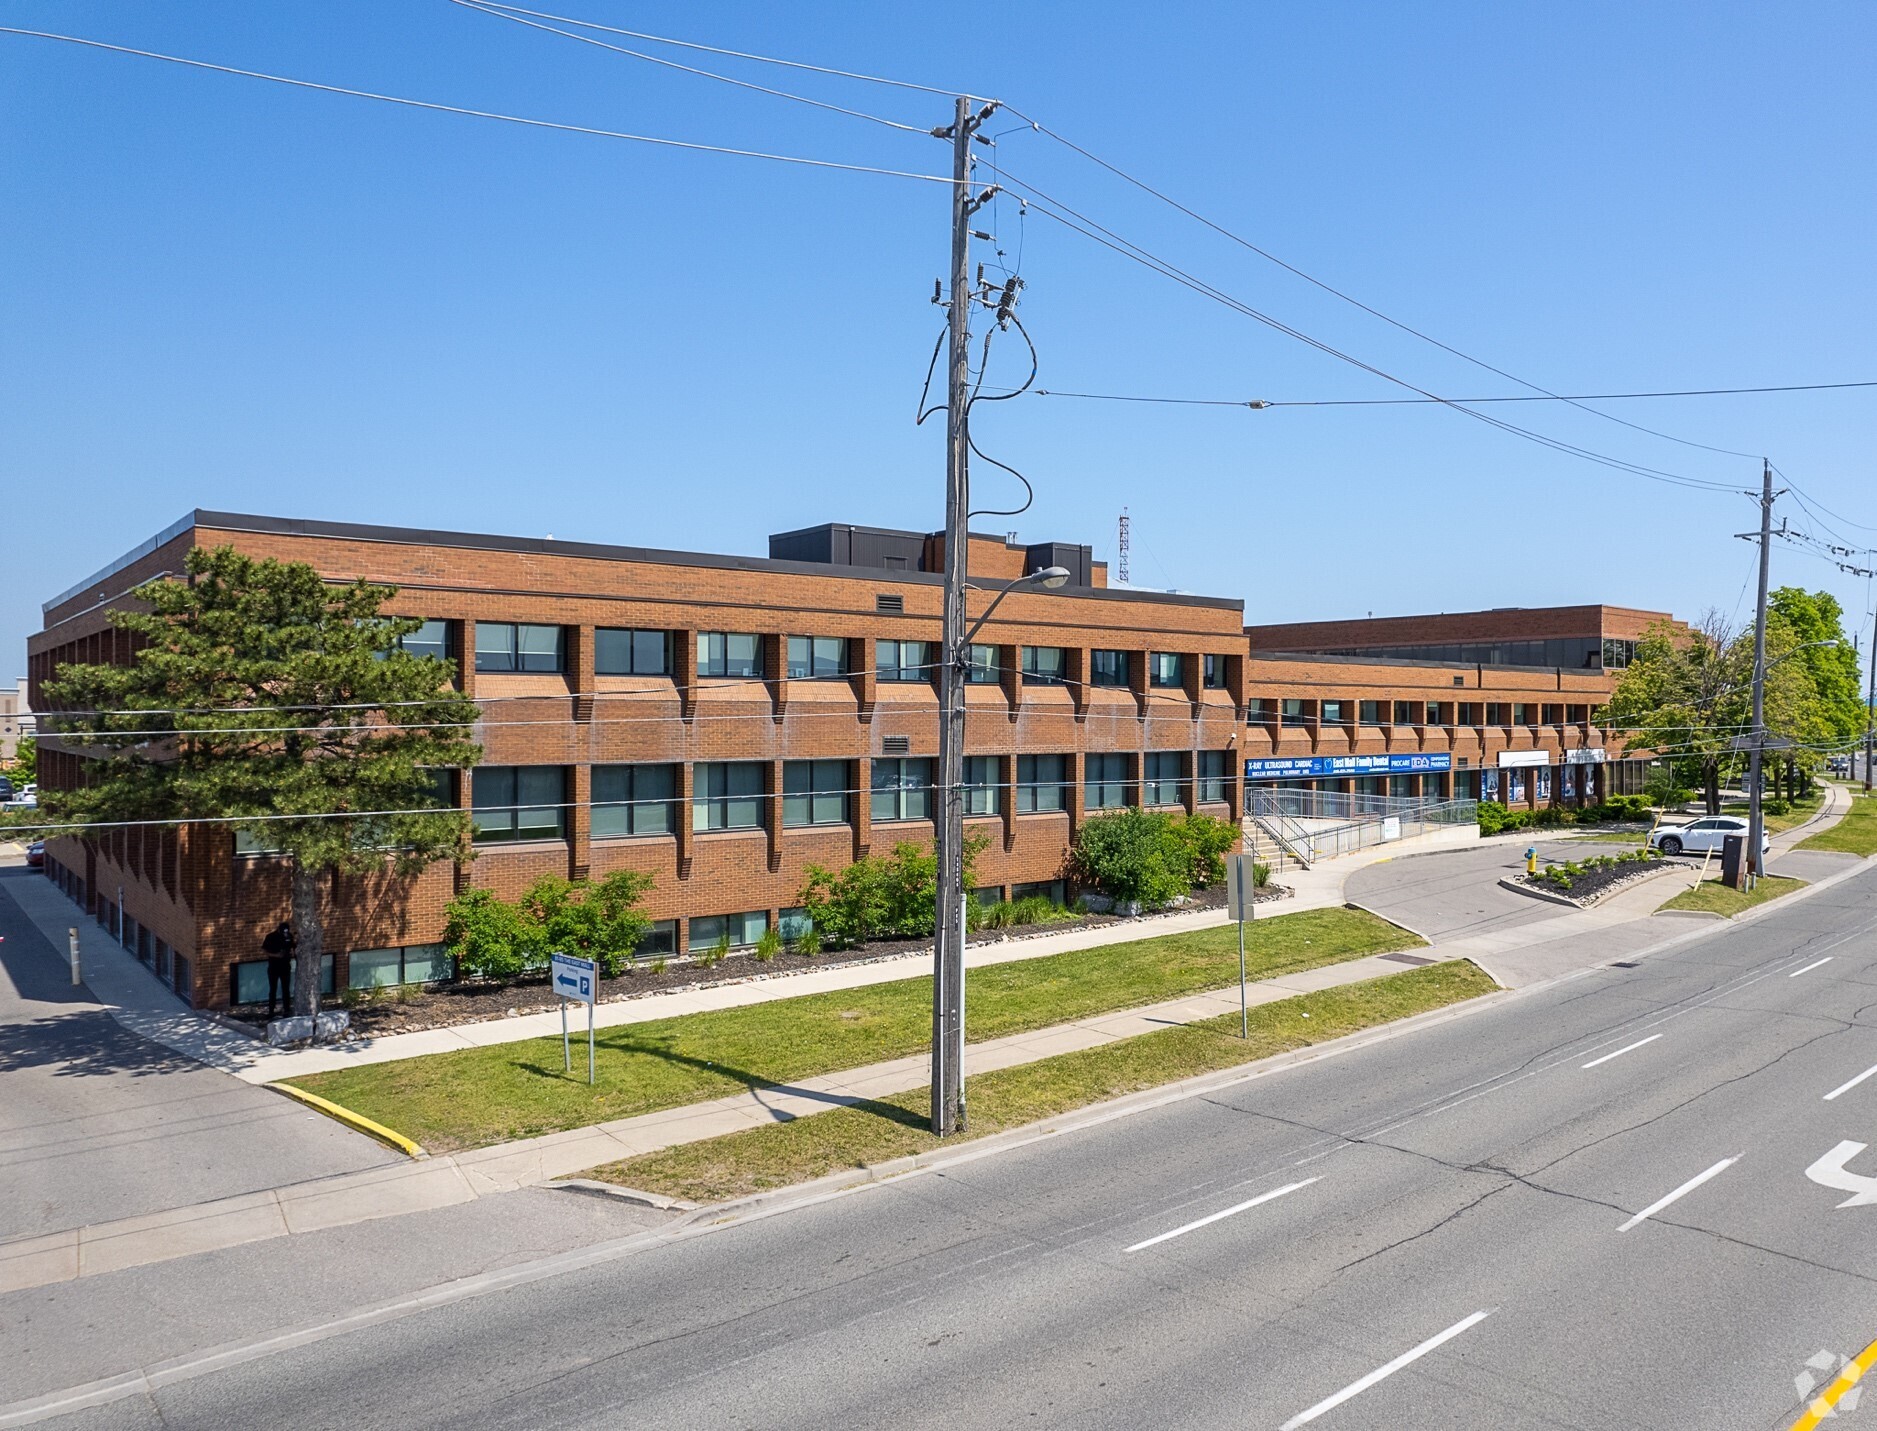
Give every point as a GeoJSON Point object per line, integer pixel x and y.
{"type": "Point", "coordinates": [842, 1139]}
{"type": "Point", "coordinates": [413, 1008]}
{"type": "Point", "coordinates": [1584, 882]}
{"type": "Point", "coordinates": [489, 1095]}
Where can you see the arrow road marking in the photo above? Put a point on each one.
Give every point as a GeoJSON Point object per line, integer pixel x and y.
{"type": "Point", "coordinates": [1830, 1171]}
{"type": "Point", "coordinates": [1271, 1196]}
{"type": "Point", "coordinates": [1356, 1388]}
{"type": "Point", "coordinates": [1847, 1087]}
{"type": "Point", "coordinates": [1699, 1178]}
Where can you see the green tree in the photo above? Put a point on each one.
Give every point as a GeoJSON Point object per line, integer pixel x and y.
{"type": "Point", "coordinates": [1812, 617]}
{"type": "Point", "coordinates": [25, 767]}
{"type": "Point", "coordinates": [601, 922]}
{"type": "Point", "coordinates": [1686, 697]}
{"type": "Point", "coordinates": [263, 697]}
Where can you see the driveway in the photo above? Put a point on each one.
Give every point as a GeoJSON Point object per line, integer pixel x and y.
{"type": "Point", "coordinates": [97, 1123]}
{"type": "Point", "coordinates": [1453, 894]}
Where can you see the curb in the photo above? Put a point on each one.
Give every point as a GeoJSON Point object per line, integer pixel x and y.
{"type": "Point", "coordinates": [357, 1121]}
{"type": "Point", "coordinates": [591, 1187]}
{"type": "Point", "coordinates": [1518, 886]}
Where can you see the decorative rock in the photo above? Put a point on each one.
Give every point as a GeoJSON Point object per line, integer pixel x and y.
{"type": "Point", "coordinates": [299, 1027]}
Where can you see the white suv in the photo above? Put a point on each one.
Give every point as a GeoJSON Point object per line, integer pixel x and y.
{"type": "Point", "coordinates": [1703, 835]}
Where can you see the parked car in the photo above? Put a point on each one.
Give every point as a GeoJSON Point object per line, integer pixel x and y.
{"type": "Point", "coordinates": [6, 789]}
{"type": "Point", "coordinates": [1703, 835]}
{"type": "Point", "coordinates": [36, 854]}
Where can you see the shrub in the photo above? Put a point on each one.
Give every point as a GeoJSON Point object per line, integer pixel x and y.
{"type": "Point", "coordinates": [490, 939]}
{"type": "Point", "coordinates": [1014, 913]}
{"type": "Point", "coordinates": [1260, 875]}
{"type": "Point", "coordinates": [601, 922]}
{"type": "Point", "coordinates": [1207, 839]}
{"type": "Point", "coordinates": [880, 897]}
{"type": "Point", "coordinates": [713, 955]}
{"type": "Point", "coordinates": [809, 943]}
{"type": "Point", "coordinates": [1134, 854]}
{"type": "Point", "coordinates": [767, 947]}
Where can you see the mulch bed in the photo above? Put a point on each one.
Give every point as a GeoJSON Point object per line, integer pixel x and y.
{"type": "Point", "coordinates": [1590, 886]}
{"type": "Point", "coordinates": [411, 1010]}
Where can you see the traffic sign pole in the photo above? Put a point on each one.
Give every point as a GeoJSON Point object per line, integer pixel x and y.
{"type": "Point", "coordinates": [566, 1049]}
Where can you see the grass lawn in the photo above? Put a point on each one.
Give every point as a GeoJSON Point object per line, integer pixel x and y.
{"type": "Point", "coordinates": [1616, 837]}
{"type": "Point", "coordinates": [475, 1097]}
{"type": "Point", "coordinates": [783, 1153]}
{"type": "Point", "coordinates": [1802, 810]}
{"type": "Point", "coordinates": [1713, 897]}
{"type": "Point", "coordinates": [1855, 834]}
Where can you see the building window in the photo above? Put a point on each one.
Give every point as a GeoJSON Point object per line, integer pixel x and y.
{"type": "Point", "coordinates": [740, 930]}
{"type": "Point", "coordinates": [1215, 673]}
{"type": "Point", "coordinates": [1436, 713]}
{"type": "Point", "coordinates": [430, 639]}
{"type": "Point", "coordinates": [981, 666]}
{"type": "Point", "coordinates": [1260, 710]}
{"type": "Point", "coordinates": [1160, 777]}
{"type": "Point", "coordinates": [902, 660]}
{"type": "Point", "coordinates": [1215, 771]}
{"type": "Point", "coordinates": [1617, 654]}
{"type": "Point", "coordinates": [817, 658]}
{"type": "Point", "coordinates": [792, 924]}
{"type": "Point", "coordinates": [1049, 889]}
{"type": "Point", "coordinates": [727, 795]}
{"type": "Point", "coordinates": [1045, 665]}
{"type": "Point", "coordinates": [1107, 668]}
{"type": "Point", "coordinates": [619, 652]}
{"type": "Point", "coordinates": [1370, 713]}
{"type": "Point", "coordinates": [388, 968]}
{"type": "Point", "coordinates": [634, 800]}
{"type": "Point", "coordinates": [1498, 713]}
{"type": "Point", "coordinates": [983, 790]}
{"type": "Point", "coordinates": [1405, 713]}
{"type": "Point", "coordinates": [1524, 713]}
{"type": "Point", "coordinates": [249, 978]}
{"type": "Point", "coordinates": [506, 646]}
{"type": "Point", "coordinates": [1294, 712]}
{"type": "Point", "coordinates": [729, 653]}
{"type": "Point", "coordinates": [1104, 781]}
{"type": "Point", "coordinates": [1166, 668]}
{"type": "Point", "coordinates": [1469, 713]}
{"type": "Point", "coordinates": [1042, 783]}
{"type": "Point", "coordinates": [1333, 712]}
{"type": "Point", "coordinates": [902, 789]}
{"type": "Point", "coordinates": [814, 792]}
{"type": "Point", "coordinates": [519, 802]}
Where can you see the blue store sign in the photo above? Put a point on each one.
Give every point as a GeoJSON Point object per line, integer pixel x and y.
{"type": "Point", "coordinates": [1314, 767]}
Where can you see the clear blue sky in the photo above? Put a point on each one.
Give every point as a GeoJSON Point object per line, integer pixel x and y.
{"type": "Point", "coordinates": [217, 292]}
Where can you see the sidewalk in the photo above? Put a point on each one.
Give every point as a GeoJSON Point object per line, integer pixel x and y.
{"type": "Point", "coordinates": [132, 994]}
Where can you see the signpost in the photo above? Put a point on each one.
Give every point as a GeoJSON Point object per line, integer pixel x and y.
{"type": "Point", "coordinates": [1241, 892]}
{"type": "Point", "coordinates": [573, 978]}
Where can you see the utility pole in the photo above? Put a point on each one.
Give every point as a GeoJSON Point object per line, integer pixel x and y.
{"type": "Point", "coordinates": [1870, 705]}
{"type": "Point", "coordinates": [1756, 820]}
{"type": "Point", "coordinates": [948, 983]}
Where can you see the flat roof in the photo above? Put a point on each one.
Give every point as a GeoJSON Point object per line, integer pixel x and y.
{"type": "Point", "coordinates": [547, 546]}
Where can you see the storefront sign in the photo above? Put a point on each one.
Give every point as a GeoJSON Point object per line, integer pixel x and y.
{"type": "Point", "coordinates": [1586, 755]}
{"type": "Point", "coordinates": [1311, 767]}
{"type": "Point", "coordinates": [1523, 759]}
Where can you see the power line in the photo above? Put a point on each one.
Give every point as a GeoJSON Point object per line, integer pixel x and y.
{"type": "Point", "coordinates": [501, 13]}
{"type": "Point", "coordinates": [475, 113]}
{"type": "Point", "coordinates": [1261, 403]}
{"type": "Point", "coordinates": [1348, 298]}
{"type": "Point", "coordinates": [734, 54]}
{"type": "Point", "coordinates": [1090, 229]}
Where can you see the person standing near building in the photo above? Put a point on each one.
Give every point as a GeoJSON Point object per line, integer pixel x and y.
{"type": "Point", "coordinates": [278, 947]}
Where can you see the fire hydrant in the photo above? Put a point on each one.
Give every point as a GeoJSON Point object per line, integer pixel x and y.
{"type": "Point", "coordinates": [1531, 860]}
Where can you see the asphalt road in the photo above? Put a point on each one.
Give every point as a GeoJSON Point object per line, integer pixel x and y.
{"type": "Point", "coordinates": [1452, 894]}
{"type": "Point", "coordinates": [1469, 1192]}
{"type": "Point", "coordinates": [97, 1123]}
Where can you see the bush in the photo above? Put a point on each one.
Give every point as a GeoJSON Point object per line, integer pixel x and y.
{"type": "Point", "coordinates": [1014, 913]}
{"type": "Point", "coordinates": [491, 939]}
{"type": "Point", "coordinates": [767, 947]}
{"type": "Point", "coordinates": [808, 944]}
{"type": "Point", "coordinates": [1149, 856]}
{"type": "Point", "coordinates": [880, 897]}
{"type": "Point", "coordinates": [712, 955]}
{"type": "Point", "coordinates": [1260, 875]}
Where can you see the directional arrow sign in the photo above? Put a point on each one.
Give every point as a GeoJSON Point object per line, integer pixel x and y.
{"type": "Point", "coordinates": [1830, 1171]}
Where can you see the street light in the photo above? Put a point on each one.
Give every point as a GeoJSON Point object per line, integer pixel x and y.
{"type": "Point", "coordinates": [948, 944]}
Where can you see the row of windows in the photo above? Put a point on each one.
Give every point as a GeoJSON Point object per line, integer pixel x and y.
{"type": "Point", "coordinates": [1301, 712]}
{"type": "Point", "coordinates": [1578, 653]}
{"type": "Point", "coordinates": [518, 646]}
{"type": "Point", "coordinates": [529, 802]}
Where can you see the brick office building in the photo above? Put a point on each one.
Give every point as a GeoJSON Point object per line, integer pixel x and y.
{"type": "Point", "coordinates": [718, 722]}
{"type": "Point", "coordinates": [1465, 705]}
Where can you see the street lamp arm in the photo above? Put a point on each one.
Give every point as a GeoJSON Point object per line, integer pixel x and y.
{"type": "Point", "coordinates": [1049, 576]}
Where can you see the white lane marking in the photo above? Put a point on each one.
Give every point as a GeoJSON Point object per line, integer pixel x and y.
{"type": "Point", "coordinates": [1621, 1051]}
{"type": "Point", "coordinates": [1653, 1208]}
{"type": "Point", "coordinates": [1229, 1212]}
{"type": "Point", "coordinates": [1810, 967]}
{"type": "Point", "coordinates": [1847, 1087]}
{"type": "Point", "coordinates": [1830, 1171]}
{"type": "Point", "coordinates": [1356, 1388]}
